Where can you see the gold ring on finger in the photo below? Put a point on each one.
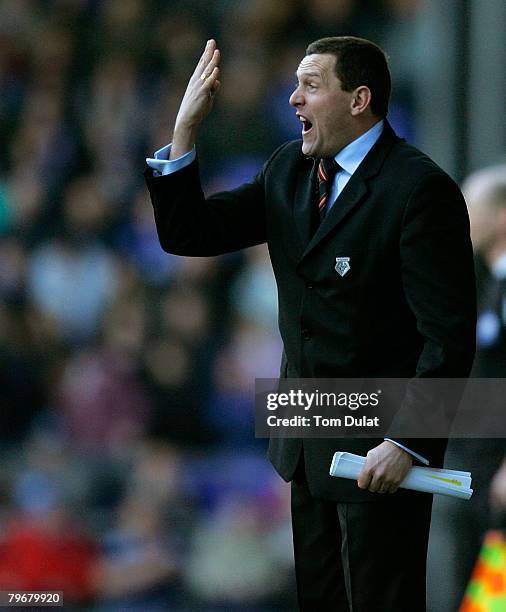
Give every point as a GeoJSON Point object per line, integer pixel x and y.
{"type": "Point", "coordinates": [203, 76]}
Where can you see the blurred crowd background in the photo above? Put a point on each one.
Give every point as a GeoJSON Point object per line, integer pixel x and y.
{"type": "Point", "coordinates": [131, 477]}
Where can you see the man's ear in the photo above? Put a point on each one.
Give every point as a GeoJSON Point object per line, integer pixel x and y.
{"type": "Point", "coordinates": [360, 100]}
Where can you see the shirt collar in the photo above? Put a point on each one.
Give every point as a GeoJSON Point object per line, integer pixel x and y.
{"type": "Point", "coordinates": [352, 155]}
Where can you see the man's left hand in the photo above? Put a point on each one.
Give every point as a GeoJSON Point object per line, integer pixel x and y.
{"type": "Point", "coordinates": [384, 469]}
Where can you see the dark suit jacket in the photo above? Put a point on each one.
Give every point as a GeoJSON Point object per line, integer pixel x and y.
{"type": "Point", "coordinates": [406, 307]}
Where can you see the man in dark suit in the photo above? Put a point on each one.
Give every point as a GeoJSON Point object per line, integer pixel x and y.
{"type": "Point", "coordinates": [369, 242]}
{"type": "Point", "coordinates": [463, 526]}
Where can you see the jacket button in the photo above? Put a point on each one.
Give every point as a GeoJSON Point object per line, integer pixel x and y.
{"type": "Point", "coordinates": [306, 334]}
{"type": "Point", "coordinates": [310, 286]}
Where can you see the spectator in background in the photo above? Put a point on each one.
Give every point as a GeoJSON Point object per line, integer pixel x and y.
{"type": "Point", "coordinates": [142, 552]}
{"type": "Point", "coordinates": [138, 243]}
{"type": "Point", "coordinates": [28, 344]}
{"type": "Point", "coordinates": [73, 276]}
{"type": "Point", "coordinates": [113, 110]}
{"type": "Point", "coordinates": [219, 572]}
{"type": "Point", "coordinates": [101, 399]}
{"type": "Point", "coordinates": [459, 528]}
{"type": "Point", "coordinates": [45, 546]}
{"type": "Point", "coordinates": [45, 145]}
{"type": "Point", "coordinates": [251, 352]}
{"type": "Point", "coordinates": [138, 567]}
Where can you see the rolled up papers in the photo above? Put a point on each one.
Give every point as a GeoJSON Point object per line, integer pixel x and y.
{"type": "Point", "coordinates": [429, 480]}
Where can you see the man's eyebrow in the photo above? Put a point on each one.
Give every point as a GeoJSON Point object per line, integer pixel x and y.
{"type": "Point", "coordinates": [308, 74]}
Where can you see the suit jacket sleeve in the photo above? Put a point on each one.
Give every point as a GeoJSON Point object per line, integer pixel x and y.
{"type": "Point", "coordinates": [438, 281]}
{"type": "Point", "coordinates": [190, 224]}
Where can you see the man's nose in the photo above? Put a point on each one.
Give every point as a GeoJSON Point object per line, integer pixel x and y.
{"type": "Point", "coordinates": [295, 98]}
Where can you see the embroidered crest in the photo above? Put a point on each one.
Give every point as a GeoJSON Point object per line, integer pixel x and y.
{"type": "Point", "coordinates": [342, 265]}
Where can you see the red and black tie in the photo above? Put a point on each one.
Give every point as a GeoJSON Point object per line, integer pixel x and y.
{"type": "Point", "coordinates": [327, 170]}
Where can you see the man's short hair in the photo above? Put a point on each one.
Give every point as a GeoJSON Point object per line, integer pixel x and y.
{"type": "Point", "coordinates": [359, 62]}
{"type": "Point", "coordinates": [486, 187]}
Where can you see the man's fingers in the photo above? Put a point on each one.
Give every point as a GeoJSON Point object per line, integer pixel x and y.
{"type": "Point", "coordinates": [211, 65]}
{"type": "Point", "coordinates": [377, 485]}
{"type": "Point", "coordinates": [211, 78]}
{"type": "Point", "coordinates": [366, 475]}
{"type": "Point", "coordinates": [205, 57]}
{"type": "Point", "coordinates": [209, 86]}
{"type": "Point", "coordinates": [208, 52]}
{"type": "Point", "coordinates": [364, 479]}
{"type": "Point", "coordinates": [389, 486]}
{"type": "Point", "coordinates": [376, 481]}
{"type": "Point", "coordinates": [210, 59]}
{"type": "Point", "coordinates": [367, 480]}
{"type": "Point", "coordinates": [214, 88]}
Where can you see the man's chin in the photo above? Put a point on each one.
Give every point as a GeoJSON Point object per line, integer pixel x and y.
{"type": "Point", "coordinates": [311, 147]}
{"type": "Point", "coordinates": [308, 149]}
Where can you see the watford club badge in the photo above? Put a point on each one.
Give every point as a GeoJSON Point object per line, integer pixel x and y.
{"type": "Point", "coordinates": [342, 265]}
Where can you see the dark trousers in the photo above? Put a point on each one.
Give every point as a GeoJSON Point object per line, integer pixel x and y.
{"type": "Point", "coordinates": [360, 557]}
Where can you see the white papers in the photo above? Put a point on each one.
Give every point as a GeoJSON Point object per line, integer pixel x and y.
{"type": "Point", "coordinates": [430, 480]}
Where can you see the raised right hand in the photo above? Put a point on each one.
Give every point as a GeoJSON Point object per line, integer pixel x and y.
{"type": "Point", "coordinates": [197, 100]}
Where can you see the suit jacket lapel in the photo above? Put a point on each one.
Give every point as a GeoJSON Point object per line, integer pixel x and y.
{"type": "Point", "coordinates": [305, 201]}
{"type": "Point", "coordinates": [350, 197]}
{"type": "Point", "coordinates": [356, 188]}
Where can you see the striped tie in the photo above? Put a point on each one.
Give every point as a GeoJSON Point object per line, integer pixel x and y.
{"type": "Point", "coordinates": [327, 170]}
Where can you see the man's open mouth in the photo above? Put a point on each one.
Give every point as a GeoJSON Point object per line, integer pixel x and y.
{"type": "Point", "coordinates": [306, 124]}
